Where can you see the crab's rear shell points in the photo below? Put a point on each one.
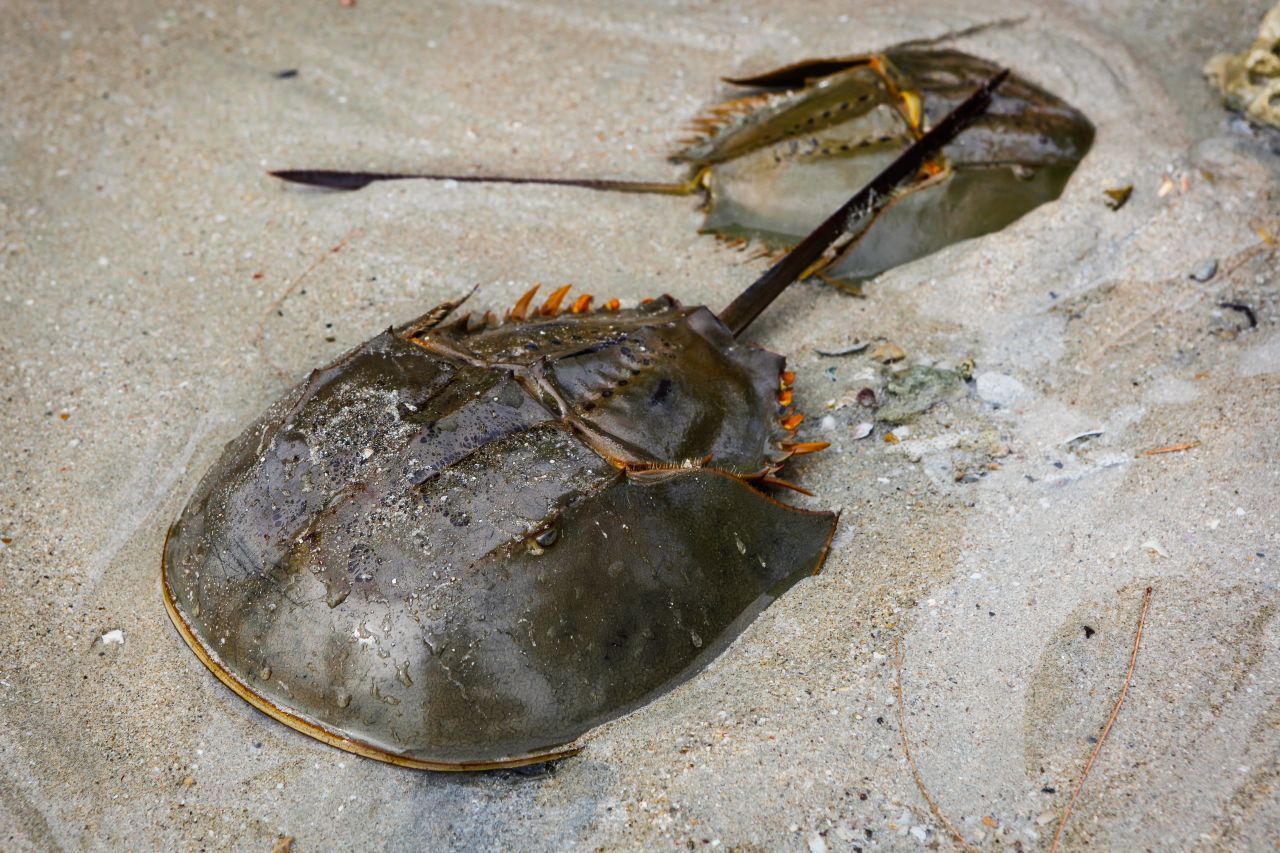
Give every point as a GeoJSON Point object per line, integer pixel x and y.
{"type": "Point", "coordinates": [465, 546]}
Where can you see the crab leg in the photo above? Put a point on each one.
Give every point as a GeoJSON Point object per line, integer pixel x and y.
{"type": "Point", "coordinates": [793, 266]}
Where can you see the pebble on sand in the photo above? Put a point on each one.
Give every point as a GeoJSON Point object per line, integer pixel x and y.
{"type": "Point", "coordinates": [1205, 270]}
{"type": "Point", "coordinates": [888, 352]}
{"type": "Point", "coordinates": [999, 389]}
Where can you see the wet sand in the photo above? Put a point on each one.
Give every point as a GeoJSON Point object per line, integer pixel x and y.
{"type": "Point", "coordinates": [143, 254]}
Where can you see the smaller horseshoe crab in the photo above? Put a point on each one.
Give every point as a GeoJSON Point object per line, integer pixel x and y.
{"type": "Point", "coordinates": [772, 162]}
{"type": "Point", "coordinates": [464, 544]}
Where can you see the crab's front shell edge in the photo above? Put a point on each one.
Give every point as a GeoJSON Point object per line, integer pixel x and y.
{"type": "Point", "coordinates": [316, 730]}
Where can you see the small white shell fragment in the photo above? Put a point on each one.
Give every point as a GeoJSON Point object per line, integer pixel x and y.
{"type": "Point", "coordinates": [863, 429]}
{"type": "Point", "coordinates": [113, 638]}
{"type": "Point", "coordinates": [1089, 433]}
{"type": "Point", "coordinates": [845, 350]}
{"type": "Point", "coordinates": [1155, 548]}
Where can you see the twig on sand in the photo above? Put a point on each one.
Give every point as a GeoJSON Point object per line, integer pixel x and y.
{"type": "Point", "coordinates": [261, 335]}
{"type": "Point", "coordinates": [911, 762]}
{"type": "Point", "coordinates": [1115, 712]}
{"type": "Point", "coordinates": [1171, 448]}
{"type": "Point", "coordinates": [975, 29]}
{"type": "Point", "coordinates": [1268, 242]}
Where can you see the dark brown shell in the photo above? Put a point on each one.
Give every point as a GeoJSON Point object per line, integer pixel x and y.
{"type": "Point", "coordinates": [466, 546]}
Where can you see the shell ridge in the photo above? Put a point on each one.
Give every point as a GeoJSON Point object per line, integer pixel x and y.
{"type": "Point", "coordinates": [593, 405]}
{"type": "Point", "coordinates": [504, 548]}
{"type": "Point", "coordinates": [318, 379]}
{"type": "Point", "coordinates": [346, 493]}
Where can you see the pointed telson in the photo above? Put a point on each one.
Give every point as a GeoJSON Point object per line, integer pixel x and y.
{"type": "Point", "coordinates": [796, 263]}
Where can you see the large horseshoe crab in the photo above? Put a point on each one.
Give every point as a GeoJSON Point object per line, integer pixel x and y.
{"type": "Point", "coordinates": [774, 161]}
{"type": "Point", "coordinates": [469, 541]}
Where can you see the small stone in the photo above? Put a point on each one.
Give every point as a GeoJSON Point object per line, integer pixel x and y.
{"type": "Point", "coordinates": [1046, 818]}
{"type": "Point", "coordinates": [888, 352]}
{"type": "Point", "coordinates": [817, 844]}
{"type": "Point", "coordinates": [999, 389]}
{"type": "Point", "coordinates": [1118, 196]}
{"type": "Point", "coordinates": [827, 424]}
{"type": "Point", "coordinates": [1205, 270]}
{"type": "Point", "coordinates": [113, 638]}
{"type": "Point", "coordinates": [920, 833]}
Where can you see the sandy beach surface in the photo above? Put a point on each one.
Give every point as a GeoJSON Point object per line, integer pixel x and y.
{"type": "Point", "coordinates": [1003, 543]}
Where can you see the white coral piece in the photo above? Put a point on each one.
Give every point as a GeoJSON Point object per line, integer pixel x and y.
{"type": "Point", "coordinates": [1250, 81]}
